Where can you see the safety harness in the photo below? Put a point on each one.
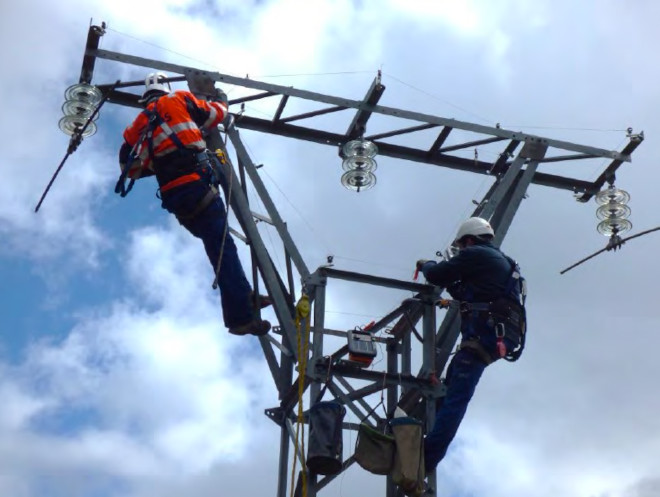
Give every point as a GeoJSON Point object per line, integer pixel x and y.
{"type": "Point", "coordinates": [155, 120]}
{"type": "Point", "coordinates": [507, 309]}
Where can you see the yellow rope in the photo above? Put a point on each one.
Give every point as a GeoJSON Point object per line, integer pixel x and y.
{"type": "Point", "coordinates": [302, 314]}
{"type": "Point", "coordinates": [223, 160]}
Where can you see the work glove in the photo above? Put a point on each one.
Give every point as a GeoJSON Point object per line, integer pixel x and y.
{"type": "Point", "coordinates": [220, 96]}
{"type": "Point", "coordinates": [420, 265]}
{"type": "Point", "coordinates": [422, 262]}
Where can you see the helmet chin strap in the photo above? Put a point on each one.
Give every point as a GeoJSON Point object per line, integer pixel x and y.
{"type": "Point", "coordinates": [151, 95]}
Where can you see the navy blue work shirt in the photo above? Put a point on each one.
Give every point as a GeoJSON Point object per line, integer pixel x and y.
{"type": "Point", "coordinates": [478, 273]}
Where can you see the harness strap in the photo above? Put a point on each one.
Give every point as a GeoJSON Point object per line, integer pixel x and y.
{"type": "Point", "coordinates": [475, 306]}
{"type": "Point", "coordinates": [156, 120]}
{"type": "Point", "coordinates": [475, 346]}
{"type": "Point", "coordinates": [515, 278]}
{"type": "Point", "coordinates": [120, 186]}
{"type": "Point", "coordinates": [181, 180]}
{"type": "Point", "coordinates": [203, 204]}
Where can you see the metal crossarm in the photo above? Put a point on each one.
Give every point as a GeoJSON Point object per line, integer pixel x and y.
{"type": "Point", "coordinates": [358, 126]}
{"type": "Point", "coordinates": [355, 104]}
{"type": "Point", "coordinates": [368, 107]}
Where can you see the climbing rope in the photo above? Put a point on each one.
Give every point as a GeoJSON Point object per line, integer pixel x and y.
{"type": "Point", "coordinates": [223, 160]}
{"type": "Point", "coordinates": [302, 314]}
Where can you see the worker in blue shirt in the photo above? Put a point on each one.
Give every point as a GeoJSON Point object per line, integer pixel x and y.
{"type": "Point", "coordinates": [491, 292]}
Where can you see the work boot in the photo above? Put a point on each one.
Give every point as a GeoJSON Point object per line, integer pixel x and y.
{"type": "Point", "coordinates": [420, 490]}
{"type": "Point", "coordinates": [257, 327]}
{"type": "Point", "coordinates": [264, 301]}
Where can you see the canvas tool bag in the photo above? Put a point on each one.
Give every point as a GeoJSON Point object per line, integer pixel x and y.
{"type": "Point", "coordinates": [374, 450]}
{"type": "Point", "coordinates": [408, 469]}
{"type": "Point", "coordinates": [324, 455]}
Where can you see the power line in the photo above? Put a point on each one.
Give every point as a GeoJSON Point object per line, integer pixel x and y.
{"type": "Point", "coordinates": [436, 97]}
{"type": "Point", "coordinates": [160, 47]}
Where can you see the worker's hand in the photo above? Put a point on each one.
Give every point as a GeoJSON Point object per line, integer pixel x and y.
{"type": "Point", "coordinates": [220, 96]}
{"type": "Point", "coordinates": [422, 262]}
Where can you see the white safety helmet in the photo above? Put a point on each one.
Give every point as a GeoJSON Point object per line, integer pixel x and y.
{"type": "Point", "coordinates": [475, 226]}
{"type": "Point", "coordinates": [156, 81]}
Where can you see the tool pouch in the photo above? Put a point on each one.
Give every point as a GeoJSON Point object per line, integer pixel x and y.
{"type": "Point", "coordinates": [374, 450]}
{"type": "Point", "coordinates": [324, 455]}
{"type": "Point", "coordinates": [408, 469]}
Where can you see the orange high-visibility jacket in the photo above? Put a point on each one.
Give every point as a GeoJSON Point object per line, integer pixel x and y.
{"type": "Point", "coordinates": [184, 114]}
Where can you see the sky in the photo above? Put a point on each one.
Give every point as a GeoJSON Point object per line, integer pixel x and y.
{"type": "Point", "coordinates": [117, 376]}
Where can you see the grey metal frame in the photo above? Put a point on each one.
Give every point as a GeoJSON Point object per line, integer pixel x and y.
{"type": "Point", "coordinates": [398, 385]}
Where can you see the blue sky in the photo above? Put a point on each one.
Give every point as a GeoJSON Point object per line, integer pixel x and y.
{"type": "Point", "coordinates": [118, 378]}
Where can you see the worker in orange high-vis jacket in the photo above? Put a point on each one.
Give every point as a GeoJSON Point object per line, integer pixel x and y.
{"type": "Point", "coordinates": [166, 140]}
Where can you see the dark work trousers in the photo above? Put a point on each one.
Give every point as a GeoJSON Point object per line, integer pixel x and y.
{"type": "Point", "coordinates": [463, 375]}
{"type": "Point", "coordinates": [209, 226]}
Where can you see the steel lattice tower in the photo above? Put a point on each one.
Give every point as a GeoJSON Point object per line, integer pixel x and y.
{"type": "Point", "coordinates": [513, 171]}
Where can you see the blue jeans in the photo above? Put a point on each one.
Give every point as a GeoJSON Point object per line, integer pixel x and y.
{"type": "Point", "coordinates": [209, 226]}
{"type": "Point", "coordinates": [463, 375]}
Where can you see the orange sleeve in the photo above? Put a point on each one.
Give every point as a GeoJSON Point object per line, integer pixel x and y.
{"type": "Point", "coordinates": [133, 132]}
{"type": "Point", "coordinates": [131, 136]}
{"type": "Point", "coordinates": [209, 114]}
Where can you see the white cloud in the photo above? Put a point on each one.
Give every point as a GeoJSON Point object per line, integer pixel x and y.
{"type": "Point", "coordinates": [167, 390]}
{"type": "Point", "coordinates": [20, 407]}
{"type": "Point", "coordinates": [465, 16]}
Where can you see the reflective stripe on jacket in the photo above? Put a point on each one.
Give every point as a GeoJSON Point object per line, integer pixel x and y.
{"type": "Point", "coordinates": [185, 115]}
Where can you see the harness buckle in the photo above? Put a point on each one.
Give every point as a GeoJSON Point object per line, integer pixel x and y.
{"type": "Point", "coordinates": [203, 155]}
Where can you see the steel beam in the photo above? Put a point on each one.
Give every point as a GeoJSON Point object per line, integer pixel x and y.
{"type": "Point", "coordinates": [413, 154]}
{"type": "Point", "coordinates": [376, 280]}
{"type": "Point", "coordinates": [350, 394]}
{"type": "Point", "coordinates": [428, 352]}
{"type": "Point", "coordinates": [390, 379]}
{"type": "Point", "coordinates": [402, 131]}
{"type": "Point", "coordinates": [564, 158]}
{"type": "Point", "coordinates": [502, 161]}
{"type": "Point", "coordinates": [608, 174]}
{"type": "Point", "coordinates": [491, 204]}
{"type": "Point", "coordinates": [503, 222]}
{"type": "Point", "coordinates": [347, 401]}
{"type": "Point", "coordinates": [280, 108]}
{"type": "Point", "coordinates": [475, 143]}
{"type": "Point", "coordinates": [345, 465]}
{"type": "Point", "coordinates": [313, 113]}
{"type": "Point", "coordinates": [392, 397]}
{"type": "Point", "coordinates": [404, 325]}
{"type": "Point", "coordinates": [275, 217]}
{"type": "Point", "coordinates": [439, 140]}
{"type": "Point", "coordinates": [360, 105]}
{"type": "Point", "coordinates": [358, 126]}
{"type": "Point", "coordinates": [94, 35]}
{"type": "Point", "coordinates": [251, 98]}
